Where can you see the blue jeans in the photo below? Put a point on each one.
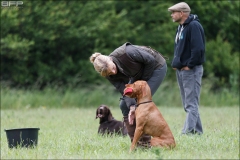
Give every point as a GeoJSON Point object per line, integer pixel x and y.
{"type": "Point", "coordinates": [189, 82]}
{"type": "Point", "coordinates": [154, 83]}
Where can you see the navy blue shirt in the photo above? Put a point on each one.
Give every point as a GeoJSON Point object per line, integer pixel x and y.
{"type": "Point", "coordinates": [189, 48]}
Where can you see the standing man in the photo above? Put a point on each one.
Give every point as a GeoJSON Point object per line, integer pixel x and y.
{"type": "Point", "coordinates": [189, 55]}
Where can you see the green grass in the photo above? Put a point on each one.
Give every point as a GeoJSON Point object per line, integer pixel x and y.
{"type": "Point", "coordinates": [71, 133]}
{"type": "Point", "coordinates": [167, 95]}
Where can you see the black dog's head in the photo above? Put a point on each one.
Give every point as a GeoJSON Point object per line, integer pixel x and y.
{"type": "Point", "coordinates": [103, 113]}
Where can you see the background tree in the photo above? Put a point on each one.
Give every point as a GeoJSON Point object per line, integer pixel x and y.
{"type": "Point", "coordinates": [50, 42]}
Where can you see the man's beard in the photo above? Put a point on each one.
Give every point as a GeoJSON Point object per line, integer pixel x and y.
{"type": "Point", "coordinates": [176, 20]}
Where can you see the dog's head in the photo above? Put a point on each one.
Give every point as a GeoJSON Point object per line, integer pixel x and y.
{"type": "Point", "coordinates": [103, 113]}
{"type": "Point", "coordinates": [138, 89]}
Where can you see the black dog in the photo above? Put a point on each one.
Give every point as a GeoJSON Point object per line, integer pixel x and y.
{"type": "Point", "coordinates": [108, 125]}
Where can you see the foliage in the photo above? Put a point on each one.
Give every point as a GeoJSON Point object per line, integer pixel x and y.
{"type": "Point", "coordinates": [72, 134]}
{"type": "Point", "coordinates": [222, 63]}
{"type": "Point", "coordinates": [50, 42]}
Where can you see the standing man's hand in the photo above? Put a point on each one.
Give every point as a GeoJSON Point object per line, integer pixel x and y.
{"type": "Point", "coordinates": [185, 68]}
{"type": "Point", "coordinates": [131, 115]}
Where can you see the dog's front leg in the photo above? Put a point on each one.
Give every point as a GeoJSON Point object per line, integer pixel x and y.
{"type": "Point", "coordinates": [138, 133]}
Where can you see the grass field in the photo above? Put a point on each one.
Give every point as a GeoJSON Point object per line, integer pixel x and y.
{"type": "Point", "coordinates": [72, 134]}
{"type": "Point", "coordinates": [56, 97]}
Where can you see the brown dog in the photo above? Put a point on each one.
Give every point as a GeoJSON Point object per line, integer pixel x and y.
{"type": "Point", "coordinates": [149, 120]}
{"type": "Point", "coordinates": [108, 125]}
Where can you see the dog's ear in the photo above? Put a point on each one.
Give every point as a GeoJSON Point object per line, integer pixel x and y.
{"type": "Point", "coordinates": [110, 117]}
{"type": "Point", "coordinates": [97, 113]}
{"type": "Point", "coordinates": [145, 89]}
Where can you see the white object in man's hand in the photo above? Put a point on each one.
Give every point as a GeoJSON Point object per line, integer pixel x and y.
{"type": "Point", "coordinates": [131, 115]}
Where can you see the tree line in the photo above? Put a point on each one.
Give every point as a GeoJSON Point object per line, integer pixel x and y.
{"type": "Point", "coordinates": [50, 42]}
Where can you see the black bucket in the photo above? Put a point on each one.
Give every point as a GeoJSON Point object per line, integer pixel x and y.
{"type": "Point", "coordinates": [22, 137]}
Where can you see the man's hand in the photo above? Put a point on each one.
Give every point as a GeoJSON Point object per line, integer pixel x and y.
{"type": "Point", "coordinates": [131, 115]}
{"type": "Point", "coordinates": [185, 68]}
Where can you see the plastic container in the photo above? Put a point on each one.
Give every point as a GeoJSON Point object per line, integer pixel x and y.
{"type": "Point", "coordinates": [22, 137]}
